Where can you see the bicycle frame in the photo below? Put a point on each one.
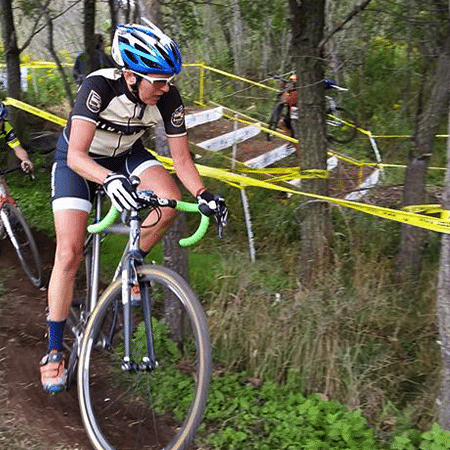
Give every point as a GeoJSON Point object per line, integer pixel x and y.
{"type": "Point", "coordinates": [127, 270]}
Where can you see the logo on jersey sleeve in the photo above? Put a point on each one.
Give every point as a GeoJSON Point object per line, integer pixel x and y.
{"type": "Point", "coordinates": [94, 102]}
{"type": "Point", "coordinates": [177, 118]}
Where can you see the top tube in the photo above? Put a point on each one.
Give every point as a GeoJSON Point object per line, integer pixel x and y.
{"type": "Point", "coordinates": [113, 213]}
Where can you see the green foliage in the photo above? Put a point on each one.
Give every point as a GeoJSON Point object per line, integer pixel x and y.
{"type": "Point", "coordinates": [386, 62]}
{"type": "Point", "coordinates": [434, 439]}
{"type": "Point", "coordinates": [33, 197]}
{"type": "Point", "coordinates": [277, 417]}
{"type": "Point", "coordinates": [188, 17]}
{"type": "Point", "coordinates": [45, 87]}
{"type": "Point", "coordinates": [255, 13]}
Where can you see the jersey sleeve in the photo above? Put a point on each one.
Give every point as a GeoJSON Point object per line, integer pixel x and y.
{"type": "Point", "coordinates": [10, 136]}
{"type": "Point", "coordinates": [92, 98]}
{"type": "Point", "coordinates": [171, 108]}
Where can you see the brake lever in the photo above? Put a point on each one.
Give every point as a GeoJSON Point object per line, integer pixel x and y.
{"type": "Point", "coordinates": [125, 216]}
{"type": "Point", "coordinates": [221, 221]}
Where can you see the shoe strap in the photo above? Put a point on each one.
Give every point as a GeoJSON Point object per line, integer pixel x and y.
{"type": "Point", "coordinates": [52, 357]}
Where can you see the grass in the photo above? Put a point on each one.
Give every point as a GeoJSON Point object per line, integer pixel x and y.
{"type": "Point", "coordinates": [355, 336]}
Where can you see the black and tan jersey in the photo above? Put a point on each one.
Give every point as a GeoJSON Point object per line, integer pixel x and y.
{"type": "Point", "coordinates": [7, 132]}
{"type": "Point", "coordinates": [104, 98]}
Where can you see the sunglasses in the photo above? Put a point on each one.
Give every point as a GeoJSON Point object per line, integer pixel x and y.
{"type": "Point", "coordinates": [159, 83]}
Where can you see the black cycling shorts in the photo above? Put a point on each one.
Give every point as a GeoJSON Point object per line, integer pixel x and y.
{"type": "Point", "coordinates": [71, 191]}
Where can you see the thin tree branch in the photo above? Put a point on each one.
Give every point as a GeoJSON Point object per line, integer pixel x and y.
{"type": "Point", "coordinates": [356, 10]}
{"type": "Point", "coordinates": [35, 30]}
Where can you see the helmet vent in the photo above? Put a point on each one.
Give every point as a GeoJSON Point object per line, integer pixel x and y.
{"type": "Point", "coordinates": [140, 48]}
{"type": "Point", "coordinates": [131, 56]}
{"type": "Point", "coordinates": [149, 63]}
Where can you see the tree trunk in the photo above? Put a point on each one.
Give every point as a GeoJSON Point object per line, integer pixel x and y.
{"type": "Point", "coordinates": [11, 50]}
{"type": "Point", "coordinates": [409, 259]}
{"type": "Point", "coordinates": [89, 36]}
{"type": "Point", "coordinates": [236, 42]}
{"type": "Point", "coordinates": [12, 56]}
{"type": "Point", "coordinates": [151, 10]}
{"type": "Point", "coordinates": [443, 305]}
{"type": "Point", "coordinates": [175, 257]}
{"type": "Point", "coordinates": [51, 49]}
{"type": "Point", "coordinates": [307, 22]}
{"type": "Point", "coordinates": [113, 14]}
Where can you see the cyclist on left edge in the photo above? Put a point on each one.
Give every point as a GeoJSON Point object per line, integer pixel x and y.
{"type": "Point", "coordinates": [6, 131]}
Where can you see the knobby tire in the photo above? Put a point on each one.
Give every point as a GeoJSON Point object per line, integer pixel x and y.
{"type": "Point", "coordinates": [339, 131]}
{"type": "Point", "coordinates": [23, 242]}
{"type": "Point", "coordinates": [158, 409]}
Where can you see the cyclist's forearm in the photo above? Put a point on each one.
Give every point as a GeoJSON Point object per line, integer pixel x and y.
{"type": "Point", "coordinates": [189, 176]}
{"type": "Point", "coordinates": [184, 165]}
{"type": "Point", "coordinates": [78, 158]}
{"type": "Point", "coordinates": [21, 153]}
{"type": "Point", "coordinates": [86, 167]}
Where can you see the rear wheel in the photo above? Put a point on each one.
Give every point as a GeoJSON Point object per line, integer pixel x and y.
{"type": "Point", "coordinates": [341, 125]}
{"type": "Point", "coordinates": [147, 405]}
{"type": "Point", "coordinates": [23, 242]}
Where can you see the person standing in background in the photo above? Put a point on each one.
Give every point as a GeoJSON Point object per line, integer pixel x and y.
{"type": "Point", "coordinates": [101, 61]}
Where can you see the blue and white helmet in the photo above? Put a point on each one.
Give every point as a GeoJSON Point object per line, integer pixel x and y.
{"type": "Point", "coordinates": [3, 111]}
{"type": "Point", "coordinates": [145, 50]}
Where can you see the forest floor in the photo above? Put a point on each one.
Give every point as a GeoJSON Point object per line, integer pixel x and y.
{"type": "Point", "coordinates": [30, 419]}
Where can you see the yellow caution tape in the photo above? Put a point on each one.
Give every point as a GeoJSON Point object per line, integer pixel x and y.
{"type": "Point", "coordinates": [36, 111]}
{"type": "Point", "coordinates": [41, 65]}
{"type": "Point", "coordinates": [419, 220]}
{"type": "Point", "coordinates": [440, 225]}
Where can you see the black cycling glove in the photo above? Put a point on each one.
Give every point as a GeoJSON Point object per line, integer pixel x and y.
{"type": "Point", "coordinates": [121, 191]}
{"type": "Point", "coordinates": [214, 205]}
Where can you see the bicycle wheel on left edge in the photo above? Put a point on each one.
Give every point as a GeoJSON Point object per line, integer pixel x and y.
{"type": "Point", "coordinates": [156, 409]}
{"type": "Point", "coordinates": [23, 243]}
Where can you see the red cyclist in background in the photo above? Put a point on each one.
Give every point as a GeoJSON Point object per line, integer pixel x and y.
{"type": "Point", "coordinates": [11, 139]}
{"type": "Point", "coordinates": [101, 144]}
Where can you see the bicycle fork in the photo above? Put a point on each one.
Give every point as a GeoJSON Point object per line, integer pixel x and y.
{"type": "Point", "coordinates": [129, 274]}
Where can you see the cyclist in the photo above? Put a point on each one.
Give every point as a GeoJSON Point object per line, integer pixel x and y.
{"type": "Point", "coordinates": [289, 97]}
{"type": "Point", "coordinates": [101, 144]}
{"type": "Point", "coordinates": [6, 131]}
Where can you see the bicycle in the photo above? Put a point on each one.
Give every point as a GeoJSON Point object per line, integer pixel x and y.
{"type": "Point", "coordinates": [128, 361]}
{"type": "Point", "coordinates": [14, 226]}
{"type": "Point", "coordinates": [341, 123]}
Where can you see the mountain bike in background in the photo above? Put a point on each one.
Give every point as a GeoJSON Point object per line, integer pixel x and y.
{"type": "Point", "coordinates": [14, 226]}
{"type": "Point", "coordinates": [341, 123]}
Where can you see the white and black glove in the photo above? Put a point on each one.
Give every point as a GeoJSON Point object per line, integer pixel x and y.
{"type": "Point", "coordinates": [121, 191]}
{"type": "Point", "coordinates": [214, 205]}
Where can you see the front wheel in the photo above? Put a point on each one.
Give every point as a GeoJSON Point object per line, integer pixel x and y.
{"type": "Point", "coordinates": [158, 407]}
{"type": "Point", "coordinates": [23, 242]}
{"type": "Point", "coordinates": [341, 125]}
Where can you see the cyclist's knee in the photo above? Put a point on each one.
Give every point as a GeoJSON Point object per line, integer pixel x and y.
{"type": "Point", "coordinates": [68, 257]}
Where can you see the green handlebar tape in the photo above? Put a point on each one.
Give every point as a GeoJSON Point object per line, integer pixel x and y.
{"type": "Point", "coordinates": [108, 220]}
{"type": "Point", "coordinates": [113, 213]}
{"type": "Point", "coordinates": [202, 228]}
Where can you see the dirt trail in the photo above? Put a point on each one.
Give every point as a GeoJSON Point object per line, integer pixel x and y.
{"type": "Point", "coordinates": [53, 421]}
